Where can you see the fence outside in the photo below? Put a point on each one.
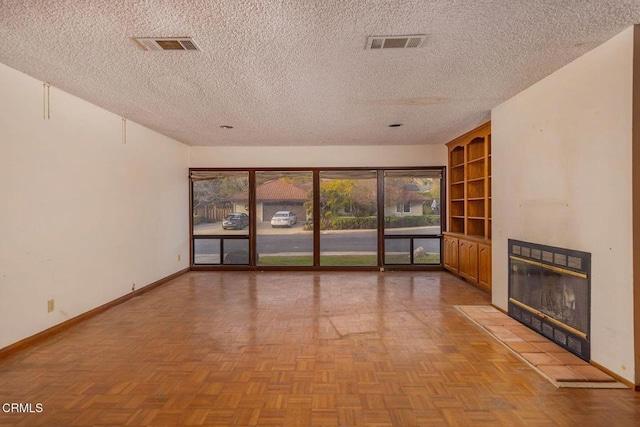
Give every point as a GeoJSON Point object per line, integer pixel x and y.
{"type": "Point", "coordinates": [211, 213]}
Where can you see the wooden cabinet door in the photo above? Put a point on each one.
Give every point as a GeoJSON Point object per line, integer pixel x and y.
{"type": "Point", "coordinates": [451, 254]}
{"type": "Point", "coordinates": [446, 248]}
{"type": "Point", "coordinates": [484, 267]}
{"type": "Point", "coordinates": [463, 257]}
{"type": "Point", "coordinates": [468, 260]}
{"type": "Point", "coordinates": [472, 263]}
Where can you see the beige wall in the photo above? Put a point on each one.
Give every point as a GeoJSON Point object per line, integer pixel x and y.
{"type": "Point", "coordinates": [562, 177]}
{"type": "Point", "coordinates": [82, 216]}
{"type": "Point", "coordinates": [329, 156]}
{"type": "Point", "coordinates": [85, 216]}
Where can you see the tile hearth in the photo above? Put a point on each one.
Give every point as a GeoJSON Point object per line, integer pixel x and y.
{"type": "Point", "coordinates": [558, 365]}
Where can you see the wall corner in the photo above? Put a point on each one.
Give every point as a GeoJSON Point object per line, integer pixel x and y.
{"type": "Point", "coordinates": [635, 168]}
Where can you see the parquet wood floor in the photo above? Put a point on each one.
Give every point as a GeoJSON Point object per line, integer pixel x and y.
{"type": "Point", "coordinates": [294, 349]}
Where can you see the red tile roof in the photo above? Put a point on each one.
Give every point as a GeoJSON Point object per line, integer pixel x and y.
{"type": "Point", "coordinates": [279, 190]}
{"type": "Point", "coordinates": [276, 190]}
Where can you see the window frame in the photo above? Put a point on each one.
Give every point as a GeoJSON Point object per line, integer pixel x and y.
{"type": "Point", "coordinates": [381, 236]}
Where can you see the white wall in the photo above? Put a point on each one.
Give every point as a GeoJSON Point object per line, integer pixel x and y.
{"type": "Point", "coordinates": [82, 216]}
{"type": "Point", "coordinates": [324, 156]}
{"type": "Point", "coordinates": [562, 177]}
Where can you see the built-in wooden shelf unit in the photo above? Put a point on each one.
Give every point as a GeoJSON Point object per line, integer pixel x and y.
{"type": "Point", "coordinates": [467, 241]}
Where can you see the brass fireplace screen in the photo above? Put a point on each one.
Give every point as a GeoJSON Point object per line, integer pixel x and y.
{"type": "Point", "coordinates": [549, 291]}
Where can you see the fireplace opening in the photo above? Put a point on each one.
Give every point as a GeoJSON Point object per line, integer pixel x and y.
{"type": "Point", "coordinates": [549, 291]}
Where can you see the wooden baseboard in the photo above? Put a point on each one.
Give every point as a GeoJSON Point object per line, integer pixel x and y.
{"type": "Point", "coordinates": [632, 386]}
{"type": "Point", "coordinates": [40, 336]}
{"type": "Point", "coordinates": [499, 309]}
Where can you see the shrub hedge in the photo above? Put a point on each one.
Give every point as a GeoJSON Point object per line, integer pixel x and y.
{"type": "Point", "coordinates": [371, 222]}
{"type": "Point", "coordinates": [411, 221]}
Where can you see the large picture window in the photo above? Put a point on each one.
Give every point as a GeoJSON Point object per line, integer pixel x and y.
{"type": "Point", "coordinates": [412, 230]}
{"type": "Point", "coordinates": [348, 218]}
{"type": "Point", "coordinates": [220, 220]}
{"type": "Point", "coordinates": [316, 218]}
{"type": "Point", "coordinates": [284, 212]}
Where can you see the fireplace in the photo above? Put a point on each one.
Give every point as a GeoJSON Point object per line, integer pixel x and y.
{"type": "Point", "coordinates": [549, 291]}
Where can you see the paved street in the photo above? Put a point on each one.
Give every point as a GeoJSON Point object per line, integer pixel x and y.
{"type": "Point", "coordinates": [295, 239]}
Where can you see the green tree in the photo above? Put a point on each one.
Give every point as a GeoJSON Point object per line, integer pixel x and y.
{"type": "Point", "coordinates": [336, 196]}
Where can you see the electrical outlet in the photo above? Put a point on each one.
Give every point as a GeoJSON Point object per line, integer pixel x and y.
{"type": "Point", "coordinates": [50, 305]}
{"type": "Point", "coordinates": [133, 287]}
{"type": "Point", "coordinates": [179, 257]}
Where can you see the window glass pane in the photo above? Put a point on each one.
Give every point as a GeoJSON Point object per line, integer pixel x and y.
{"type": "Point", "coordinates": [220, 203]}
{"type": "Point", "coordinates": [236, 251]}
{"type": "Point", "coordinates": [284, 211]}
{"type": "Point", "coordinates": [348, 218]}
{"type": "Point", "coordinates": [412, 201]}
{"type": "Point", "coordinates": [426, 251]}
{"type": "Point", "coordinates": [397, 251]}
{"type": "Point", "coordinates": [206, 251]}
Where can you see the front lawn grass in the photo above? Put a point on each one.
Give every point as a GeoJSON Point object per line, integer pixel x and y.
{"type": "Point", "coordinates": [345, 260]}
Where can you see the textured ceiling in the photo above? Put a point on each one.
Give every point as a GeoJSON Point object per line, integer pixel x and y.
{"type": "Point", "coordinates": [296, 72]}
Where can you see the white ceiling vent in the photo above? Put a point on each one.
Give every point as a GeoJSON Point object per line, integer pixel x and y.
{"type": "Point", "coordinates": [167, 43]}
{"type": "Point", "coordinates": [390, 42]}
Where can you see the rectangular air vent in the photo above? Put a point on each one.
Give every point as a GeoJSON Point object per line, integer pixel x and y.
{"type": "Point", "coordinates": [391, 42]}
{"type": "Point", "coordinates": [167, 43]}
